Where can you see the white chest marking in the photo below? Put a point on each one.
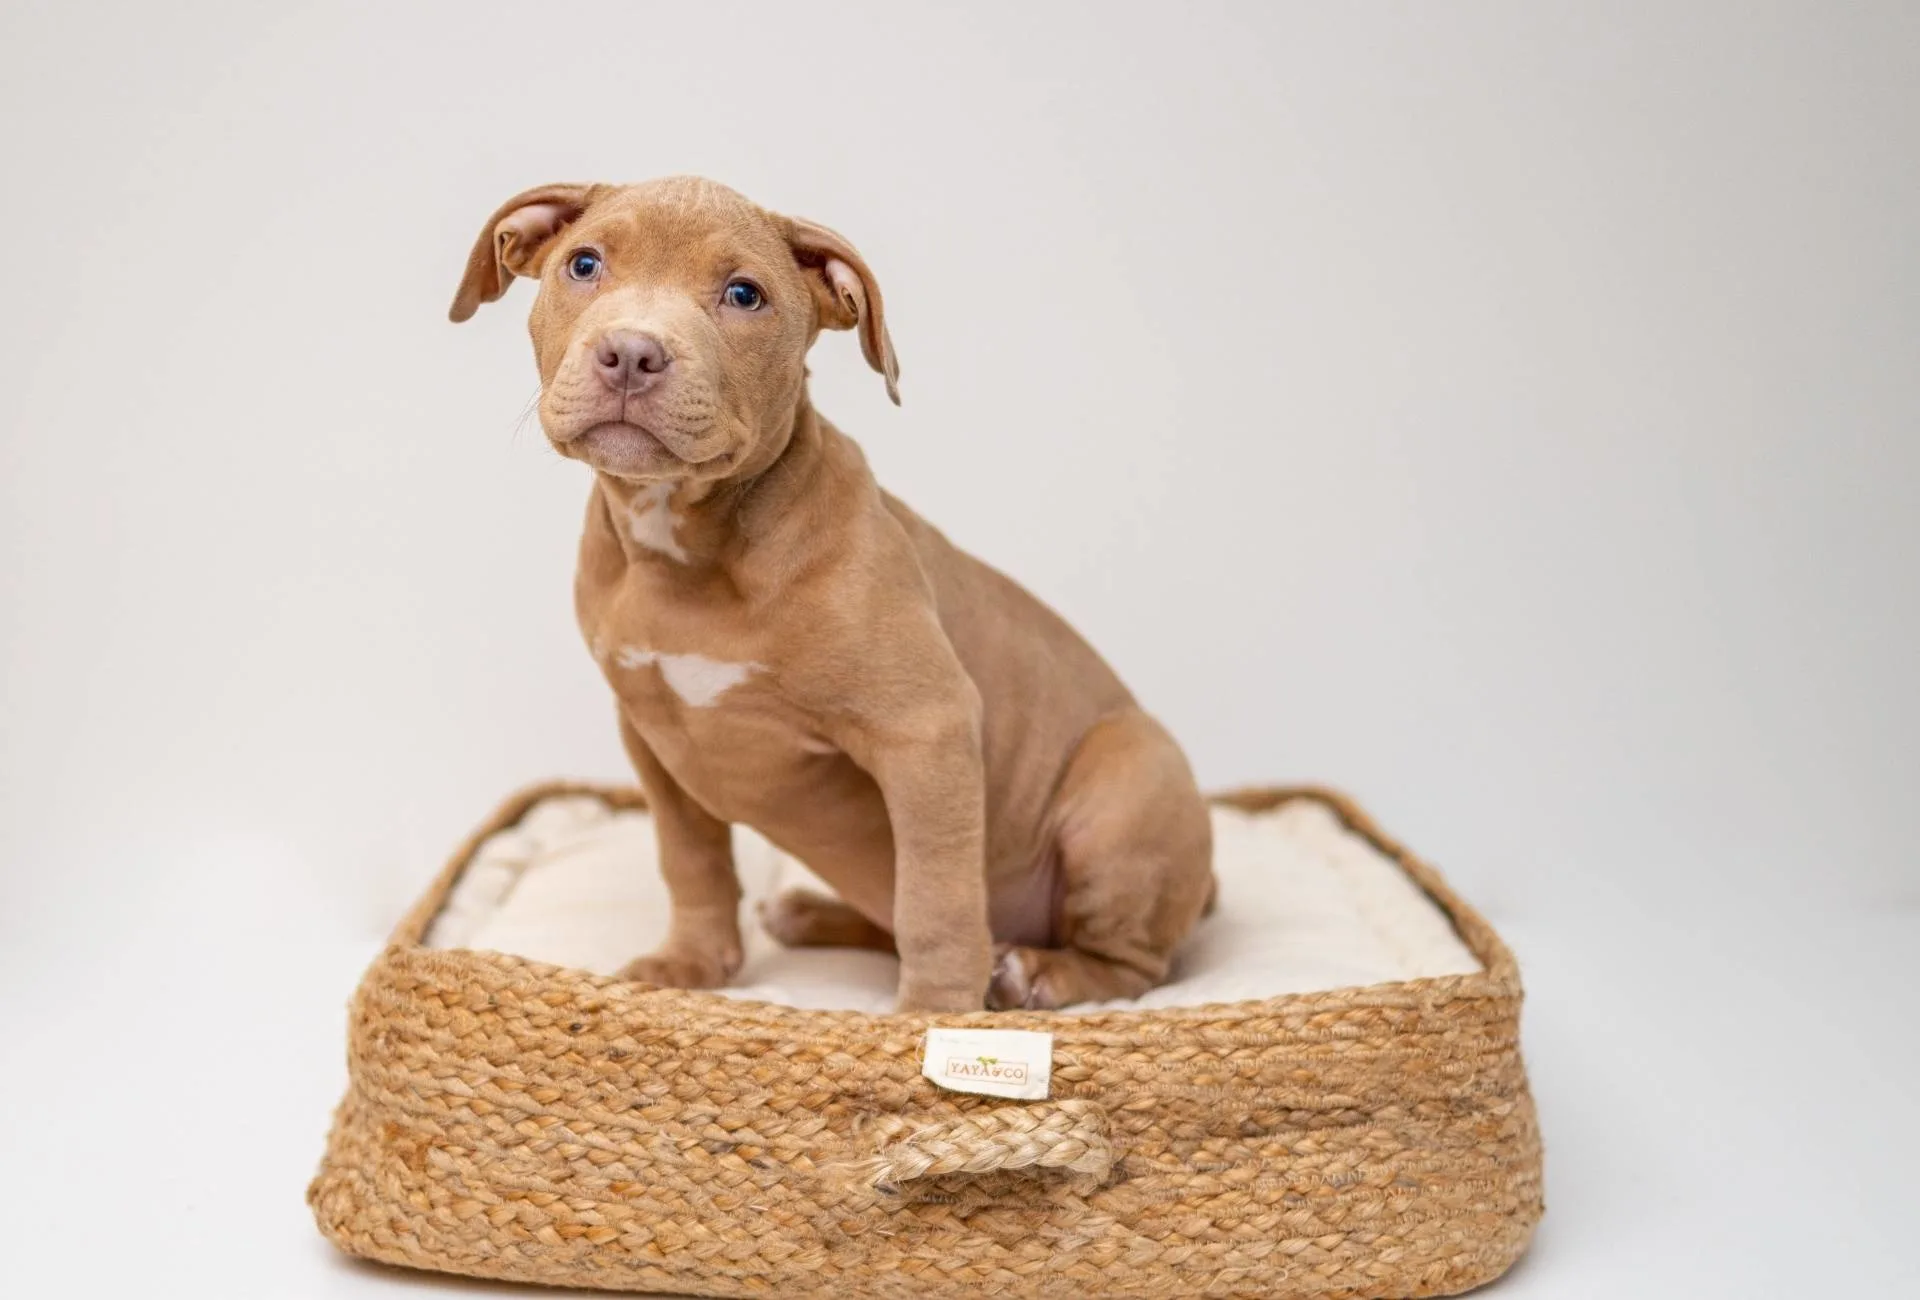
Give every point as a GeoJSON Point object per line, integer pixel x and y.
{"type": "Point", "coordinates": [650, 521]}
{"type": "Point", "coordinates": [696, 679]}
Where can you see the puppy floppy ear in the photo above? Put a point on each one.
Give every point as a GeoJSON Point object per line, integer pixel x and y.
{"type": "Point", "coordinates": [846, 293]}
{"type": "Point", "coordinates": [513, 242]}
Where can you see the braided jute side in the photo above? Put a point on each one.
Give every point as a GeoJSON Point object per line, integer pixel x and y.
{"type": "Point", "coordinates": [508, 1119]}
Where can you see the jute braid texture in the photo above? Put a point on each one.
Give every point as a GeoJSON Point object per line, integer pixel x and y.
{"type": "Point", "coordinates": [512, 1120]}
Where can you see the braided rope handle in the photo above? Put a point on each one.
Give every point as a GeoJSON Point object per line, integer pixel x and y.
{"type": "Point", "coordinates": [1069, 1135]}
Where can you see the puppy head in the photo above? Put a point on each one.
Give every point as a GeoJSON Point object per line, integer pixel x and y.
{"type": "Point", "coordinates": [673, 320]}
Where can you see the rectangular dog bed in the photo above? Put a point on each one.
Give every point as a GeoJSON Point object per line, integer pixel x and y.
{"type": "Point", "coordinates": [1326, 1099]}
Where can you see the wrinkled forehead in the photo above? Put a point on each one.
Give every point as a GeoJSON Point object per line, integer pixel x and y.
{"type": "Point", "coordinates": [681, 221]}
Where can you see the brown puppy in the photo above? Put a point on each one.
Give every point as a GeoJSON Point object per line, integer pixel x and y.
{"type": "Point", "coordinates": [794, 649]}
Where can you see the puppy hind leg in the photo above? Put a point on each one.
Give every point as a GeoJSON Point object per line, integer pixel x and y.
{"type": "Point", "coordinates": [1136, 857]}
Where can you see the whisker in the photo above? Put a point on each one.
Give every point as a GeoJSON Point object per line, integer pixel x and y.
{"type": "Point", "coordinates": [526, 413]}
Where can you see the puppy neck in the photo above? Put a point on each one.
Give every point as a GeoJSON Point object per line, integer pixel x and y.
{"type": "Point", "coordinates": [696, 527]}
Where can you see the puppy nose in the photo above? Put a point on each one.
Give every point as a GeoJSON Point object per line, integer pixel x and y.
{"type": "Point", "coordinates": [628, 360]}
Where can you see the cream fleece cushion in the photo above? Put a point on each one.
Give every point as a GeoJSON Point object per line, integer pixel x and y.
{"type": "Point", "coordinates": [1305, 905]}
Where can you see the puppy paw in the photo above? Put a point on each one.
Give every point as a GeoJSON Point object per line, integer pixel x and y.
{"type": "Point", "coordinates": [679, 971]}
{"type": "Point", "coordinates": [794, 919]}
{"type": "Point", "coordinates": [926, 997]}
{"type": "Point", "coordinates": [1014, 986]}
{"type": "Point", "coordinates": [805, 918]}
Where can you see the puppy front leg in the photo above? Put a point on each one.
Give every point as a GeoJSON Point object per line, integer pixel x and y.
{"type": "Point", "coordinates": [931, 775]}
{"type": "Point", "coordinates": [702, 947]}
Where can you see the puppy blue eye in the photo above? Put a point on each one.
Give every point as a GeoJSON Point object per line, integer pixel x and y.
{"type": "Point", "coordinates": [584, 264]}
{"type": "Point", "coordinates": [744, 294]}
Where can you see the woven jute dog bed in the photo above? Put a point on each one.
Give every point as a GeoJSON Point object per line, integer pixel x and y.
{"type": "Point", "coordinates": [514, 1120]}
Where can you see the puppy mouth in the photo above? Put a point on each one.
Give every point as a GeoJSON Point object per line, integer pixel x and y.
{"type": "Point", "coordinates": [622, 448]}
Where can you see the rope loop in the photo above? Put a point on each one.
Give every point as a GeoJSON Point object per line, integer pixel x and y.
{"type": "Point", "coordinates": [1071, 1135]}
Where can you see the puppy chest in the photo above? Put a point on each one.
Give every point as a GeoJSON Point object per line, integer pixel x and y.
{"type": "Point", "coordinates": [682, 684]}
{"type": "Point", "coordinates": [676, 655]}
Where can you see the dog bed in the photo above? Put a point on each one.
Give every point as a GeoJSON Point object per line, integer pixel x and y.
{"type": "Point", "coordinates": [1326, 1098]}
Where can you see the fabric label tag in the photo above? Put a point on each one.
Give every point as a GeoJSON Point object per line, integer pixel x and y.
{"type": "Point", "coordinates": [996, 1062]}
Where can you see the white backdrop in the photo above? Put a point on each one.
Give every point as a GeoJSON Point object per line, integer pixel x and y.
{"type": "Point", "coordinates": [1507, 412]}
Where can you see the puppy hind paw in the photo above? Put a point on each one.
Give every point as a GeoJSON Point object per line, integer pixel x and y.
{"type": "Point", "coordinates": [793, 918]}
{"type": "Point", "coordinates": [1014, 986]}
{"type": "Point", "coordinates": [806, 918]}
